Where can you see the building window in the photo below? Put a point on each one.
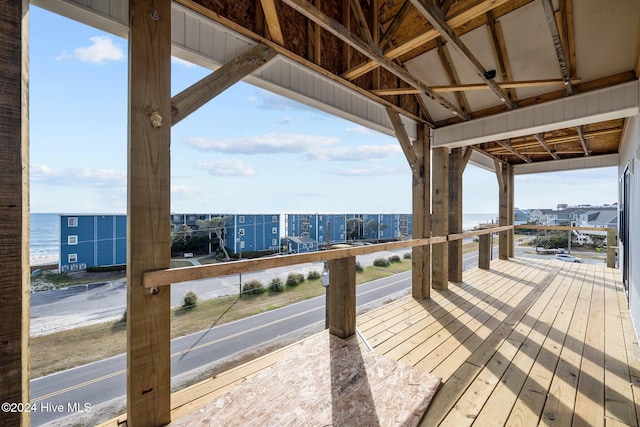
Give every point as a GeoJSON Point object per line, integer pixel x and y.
{"type": "Point", "coordinates": [274, 218]}
{"type": "Point", "coordinates": [304, 245]}
{"type": "Point", "coordinates": [321, 228]}
{"type": "Point", "coordinates": [72, 240]}
{"type": "Point", "coordinates": [341, 227]}
{"type": "Point", "coordinates": [72, 221]}
{"type": "Point", "coordinates": [274, 242]}
{"type": "Point", "coordinates": [73, 258]}
{"type": "Point", "coordinates": [241, 232]}
{"type": "Point", "coordinates": [241, 219]}
{"type": "Point", "coordinates": [274, 230]}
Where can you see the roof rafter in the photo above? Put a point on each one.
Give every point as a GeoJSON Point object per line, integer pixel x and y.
{"type": "Point", "coordinates": [475, 86]}
{"type": "Point", "coordinates": [477, 8]}
{"type": "Point", "coordinates": [201, 92]}
{"type": "Point", "coordinates": [436, 18]}
{"type": "Point", "coordinates": [540, 138]}
{"type": "Point", "coordinates": [557, 42]}
{"type": "Point", "coordinates": [583, 141]}
{"type": "Point", "coordinates": [500, 49]}
{"type": "Point", "coordinates": [395, 24]}
{"type": "Point", "coordinates": [452, 75]}
{"type": "Point", "coordinates": [362, 21]}
{"type": "Point", "coordinates": [507, 145]}
{"type": "Point", "coordinates": [273, 23]}
{"type": "Point", "coordinates": [338, 30]}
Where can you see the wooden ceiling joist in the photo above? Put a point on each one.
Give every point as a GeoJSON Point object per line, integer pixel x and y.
{"type": "Point", "coordinates": [273, 23]}
{"type": "Point", "coordinates": [583, 141]}
{"type": "Point", "coordinates": [338, 30]}
{"type": "Point", "coordinates": [365, 32]}
{"type": "Point", "coordinates": [452, 75]}
{"type": "Point", "coordinates": [203, 91]}
{"type": "Point", "coordinates": [395, 24]}
{"type": "Point", "coordinates": [540, 138]}
{"type": "Point", "coordinates": [477, 8]}
{"type": "Point", "coordinates": [557, 43]}
{"type": "Point", "coordinates": [475, 86]}
{"type": "Point", "coordinates": [509, 148]}
{"type": "Point", "coordinates": [500, 49]}
{"type": "Point", "coordinates": [435, 17]}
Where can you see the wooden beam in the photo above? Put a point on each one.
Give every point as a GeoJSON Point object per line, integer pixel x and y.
{"type": "Point", "coordinates": [465, 157]}
{"type": "Point", "coordinates": [583, 142]}
{"type": "Point", "coordinates": [612, 244]}
{"type": "Point", "coordinates": [273, 23]}
{"type": "Point", "coordinates": [475, 86]}
{"type": "Point", "coordinates": [435, 17]}
{"type": "Point", "coordinates": [365, 32]}
{"type": "Point", "coordinates": [342, 297]}
{"type": "Point", "coordinates": [568, 33]}
{"type": "Point", "coordinates": [440, 217]}
{"type": "Point", "coordinates": [338, 30]}
{"type": "Point", "coordinates": [398, 19]}
{"type": "Point", "coordinates": [455, 214]}
{"type": "Point", "coordinates": [498, 170]}
{"type": "Point", "coordinates": [475, 9]}
{"type": "Point", "coordinates": [198, 94]}
{"type": "Point", "coordinates": [484, 251]}
{"type": "Point", "coordinates": [507, 145]}
{"type": "Point", "coordinates": [421, 202]}
{"type": "Point", "coordinates": [540, 138]}
{"type": "Point", "coordinates": [557, 43]}
{"type": "Point", "coordinates": [148, 207]}
{"type": "Point", "coordinates": [14, 211]}
{"type": "Point", "coordinates": [504, 209]}
{"type": "Point", "coordinates": [500, 49]}
{"type": "Point", "coordinates": [403, 138]}
{"type": "Point", "coordinates": [452, 75]}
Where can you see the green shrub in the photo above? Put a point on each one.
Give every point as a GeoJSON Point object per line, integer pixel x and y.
{"type": "Point", "coordinates": [359, 267]}
{"type": "Point", "coordinates": [395, 258]}
{"type": "Point", "coordinates": [381, 262]}
{"type": "Point", "coordinates": [407, 255]}
{"type": "Point", "coordinates": [190, 300]}
{"type": "Point", "coordinates": [253, 287]}
{"type": "Point", "coordinates": [294, 279]}
{"type": "Point", "coordinates": [276, 285]}
{"type": "Point", "coordinates": [314, 275]}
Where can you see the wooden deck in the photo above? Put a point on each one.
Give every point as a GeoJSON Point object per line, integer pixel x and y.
{"type": "Point", "coordinates": [526, 343]}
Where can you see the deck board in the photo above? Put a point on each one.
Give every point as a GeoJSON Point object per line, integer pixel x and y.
{"type": "Point", "coordinates": [528, 342]}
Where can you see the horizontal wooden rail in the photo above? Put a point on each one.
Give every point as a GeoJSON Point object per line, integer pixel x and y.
{"type": "Point", "coordinates": [558, 227]}
{"type": "Point", "coordinates": [166, 277]}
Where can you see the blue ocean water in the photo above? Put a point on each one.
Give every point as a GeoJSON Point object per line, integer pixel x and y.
{"type": "Point", "coordinates": [45, 231]}
{"type": "Point", "coordinates": [45, 235]}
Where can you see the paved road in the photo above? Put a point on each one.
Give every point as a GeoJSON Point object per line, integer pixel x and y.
{"type": "Point", "coordinates": [59, 394]}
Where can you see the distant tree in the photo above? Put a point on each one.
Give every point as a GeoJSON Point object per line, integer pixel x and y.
{"type": "Point", "coordinates": [181, 235]}
{"type": "Point", "coordinates": [373, 227]}
{"type": "Point", "coordinates": [215, 225]}
{"type": "Point", "coordinates": [354, 228]}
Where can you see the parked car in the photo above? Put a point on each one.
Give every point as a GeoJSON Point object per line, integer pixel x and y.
{"type": "Point", "coordinates": [567, 258]}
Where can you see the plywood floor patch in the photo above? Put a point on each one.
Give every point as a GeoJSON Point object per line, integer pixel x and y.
{"type": "Point", "coordinates": [328, 382]}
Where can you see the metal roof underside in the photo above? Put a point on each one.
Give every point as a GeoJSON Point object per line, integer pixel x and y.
{"type": "Point", "coordinates": [540, 84]}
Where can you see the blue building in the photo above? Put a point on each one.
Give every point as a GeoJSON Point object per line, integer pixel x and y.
{"type": "Point", "coordinates": [252, 233]}
{"type": "Point", "coordinates": [92, 241]}
{"type": "Point", "coordinates": [379, 226]}
{"type": "Point", "coordinates": [325, 229]}
{"type": "Point", "coordinates": [301, 244]}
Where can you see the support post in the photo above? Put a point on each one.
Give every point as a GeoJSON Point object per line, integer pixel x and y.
{"type": "Point", "coordinates": [14, 209]}
{"type": "Point", "coordinates": [148, 210]}
{"type": "Point", "coordinates": [484, 251]}
{"type": "Point", "coordinates": [503, 237]}
{"type": "Point", "coordinates": [421, 255]}
{"type": "Point", "coordinates": [612, 245]}
{"type": "Point", "coordinates": [455, 214]}
{"type": "Point", "coordinates": [342, 297]}
{"type": "Point", "coordinates": [512, 213]}
{"type": "Point", "coordinates": [440, 188]}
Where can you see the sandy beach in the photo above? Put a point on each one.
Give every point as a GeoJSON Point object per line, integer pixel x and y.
{"type": "Point", "coordinates": [44, 260]}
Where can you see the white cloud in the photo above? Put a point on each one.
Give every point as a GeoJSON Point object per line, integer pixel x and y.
{"type": "Point", "coordinates": [182, 189]}
{"type": "Point", "coordinates": [371, 171]}
{"type": "Point", "coordinates": [185, 64]}
{"type": "Point", "coordinates": [72, 177]}
{"type": "Point", "coordinates": [102, 49]}
{"type": "Point", "coordinates": [263, 144]}
{"type": "Point", "coordinates": [359, 153]}
{"type": "Point", "coordinates": [226, 168]}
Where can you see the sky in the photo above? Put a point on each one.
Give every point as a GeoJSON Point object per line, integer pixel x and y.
{"type": "Point", "coordinates": [246, 151]}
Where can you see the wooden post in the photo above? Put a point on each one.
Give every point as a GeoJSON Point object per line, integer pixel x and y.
{"type": "Point", "coordinates": [484, 251]}
{"type": "Point", "coordinates": [511, 213]}
{"type": "Point", "coordinates": [440, 188]}
{"type": "Point", "coordinates": [342, 297]}
{"type": "Point", "coordinates": [14, 209]}
{"type": "Point", "coordinates": [612, 244]}
{"type": "Point", "coordinates": [148, 211]}
{"type": "Point", "coordinates": [421, 255]}
{"type": "Point", "coordinates": [455, 214]}
{"type": "Point", "coordinates": [503, 236]}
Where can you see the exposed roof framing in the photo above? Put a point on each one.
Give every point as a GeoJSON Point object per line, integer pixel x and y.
{"type": "Point", "coordinates": [507, 145]}
{"type": "Point", "coordinates": [449, 68]}
{"type": "Point", "coordinates": [435, 16]}
{"type": "Point", "coordinates": [540, 138]}
{"type": "Point", "coordinates": [500, 49]}
{"type": "Point", "coordinates": [557, 43]}
{"type": "Point", "coordinates": [583, 142]}
{"type": "Point", "coordinates": [273, 23]}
